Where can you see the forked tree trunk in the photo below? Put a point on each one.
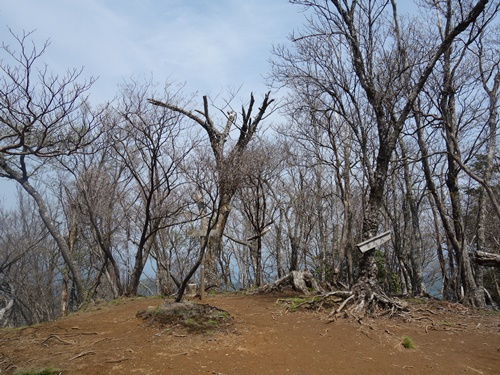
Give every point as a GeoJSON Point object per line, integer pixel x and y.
{"type": "Point", "coordinates": [228, 175]}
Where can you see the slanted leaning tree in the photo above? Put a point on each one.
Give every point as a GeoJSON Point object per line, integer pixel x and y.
{"type": "Point", "coordinates": [42, 117]}
{"type": "Point", "coordinates": [227, 162]}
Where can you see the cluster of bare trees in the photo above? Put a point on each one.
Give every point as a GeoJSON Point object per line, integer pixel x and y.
{"type": "Point", "coordinates": [390, 123]}
{"type": "Point", "coordinates": [415, 95]}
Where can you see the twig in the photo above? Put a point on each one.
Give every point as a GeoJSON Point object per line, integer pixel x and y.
{"type": "Point", "coordinates": [342, 305]}
{"type": "Point", "coordinates": [367, 335]}
{"type": "Point", "coordinates": [95, 342]}
{"type": "Point", "coordinates": [473, 369]}
{"type": "Point", "coordinates": [116, 360]}
{"type": "Point", "coordinates": [57, 338]}
{"type": "Point", "coordinates": [91, 352]}
{"type": "Point", "coordinates": [279, 315]}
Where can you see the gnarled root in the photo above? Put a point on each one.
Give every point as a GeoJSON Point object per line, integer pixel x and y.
{"type": "Point", "coordinates": [364, 299]}
{"type": "Point", "coordinates": [300, 281]}
{"type": "Point", "coordinates": [355, 304]}
{"type": "Point", "coordinates": [366, 302]}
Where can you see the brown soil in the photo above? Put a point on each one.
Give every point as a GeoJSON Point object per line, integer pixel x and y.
{"type": "Point", "coordinates": [265, 339]}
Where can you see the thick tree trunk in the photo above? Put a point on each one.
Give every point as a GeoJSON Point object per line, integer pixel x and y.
{"type": "Point", "coordinates": [259, 277]}
{"type": "Point", "coordinates": [481, 257]}
{"type": "Point", "coordinates": [279, 262]}
{"type": "Point", "coordinates": [4, 311]}
{"type": "Point", "coordinates": [141, 257]}
{"type": "Point", "coordinates": [54, 231]}
{"type": "Point", "coordinates": [368, 268]}
{"type": "Point", "coordinates": [216, 244]}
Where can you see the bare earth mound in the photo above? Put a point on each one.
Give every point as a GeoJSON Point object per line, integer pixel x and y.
{"type": "Point", "coordinates": [267, 338]}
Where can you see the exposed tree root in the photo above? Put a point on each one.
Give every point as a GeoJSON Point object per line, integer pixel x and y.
{"type": "Point", "coordinates": [359, 304]}
{"type": "Point", "coordinates": [363, 299]}
{"type": "Point", "coordinates": [351, 304]}
{"type": "Point", "coordinates": [300, 281]}
{"type": "Point", "coordinates": [58, 339]}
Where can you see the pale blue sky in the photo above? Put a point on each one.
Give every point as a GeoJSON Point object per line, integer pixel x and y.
{"type": "Point", "coordinates": [209, 44]}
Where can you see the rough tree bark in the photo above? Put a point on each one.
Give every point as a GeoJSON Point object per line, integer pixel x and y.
{"type": "Point", "coordinates": [487, 259]}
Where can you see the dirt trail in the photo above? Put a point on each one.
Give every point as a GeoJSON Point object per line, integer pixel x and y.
{"type": "Point", "coordinates": [267, 339]}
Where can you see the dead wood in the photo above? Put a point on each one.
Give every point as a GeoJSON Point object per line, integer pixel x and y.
{"type": "Point", "coordinates": [300, 281]}
{"type": "Point", "coordinates": [487, 259]}
{"type": "Point", "coordinates": [58, 339]}
{"type": "Point", "coordinates": [356, 304]}
{"type": "Point", "coordinates": [363, 300]}
{"type": "Point", "coordinates": [83, 354]}
{"type": "Point", "coordinates": [116, 360]}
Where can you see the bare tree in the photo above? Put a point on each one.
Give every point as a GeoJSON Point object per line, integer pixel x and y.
{"type": "Point", "coordinates": [95, 207]}
{"type": "Point", "coordinates": [29, 267]}
{"type": "Point", "coordinates": [367, 37]}
{"type": "Point", "coordinates": [255, 205]}
{"type": "Point", "coordinates": [149, 144]}
{"type": "Point", "coordinates": [42, 117]}
{"type": "Point", "coordinates": [227, 161]}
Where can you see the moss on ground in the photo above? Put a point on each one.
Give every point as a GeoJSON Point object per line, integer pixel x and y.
{"type": "Point", "coordinates": [194, 317]}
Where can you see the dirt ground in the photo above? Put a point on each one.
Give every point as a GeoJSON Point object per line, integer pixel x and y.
{"type": "Point", "coordinates": [266, 339]}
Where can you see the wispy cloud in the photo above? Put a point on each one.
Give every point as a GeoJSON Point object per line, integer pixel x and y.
{"type": "Point", "coordinates": [209, 44]}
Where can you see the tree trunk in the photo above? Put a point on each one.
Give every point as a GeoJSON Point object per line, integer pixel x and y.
{"type": "Point", "coordinates": [216, 244]}
{"type": "Point", "coordinates": [415, 241]}
{"type": "Point", "coordinates": [473, 295]}
{"type": "Point", "coordinates": [279, 262]}
{"type": "Point", "coordinates": [53, 230]}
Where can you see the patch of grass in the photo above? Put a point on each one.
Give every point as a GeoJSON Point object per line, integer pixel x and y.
{"type": "Point", "coordinates": [190, 322]}
{"type": "Point", "coordinates": [222, 314]}
{"type": "Point", "coordinates": [41, 371]}
{"type": "Point", "coordinates": [295, 302]}
{"type": "Point", "coordinates": [408, 343]}
{"type": "Point", "coordinates": [415, 301]}
{"type": "Point", "coordinates": [116, 301]}
{"type": "Point", "coordinates": [489, 312]}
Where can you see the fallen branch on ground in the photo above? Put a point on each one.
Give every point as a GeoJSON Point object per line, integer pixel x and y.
{"type": "Point", "coordinates": [83, 354]}
{"type": "Point", "coordinates": [57, 338]}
